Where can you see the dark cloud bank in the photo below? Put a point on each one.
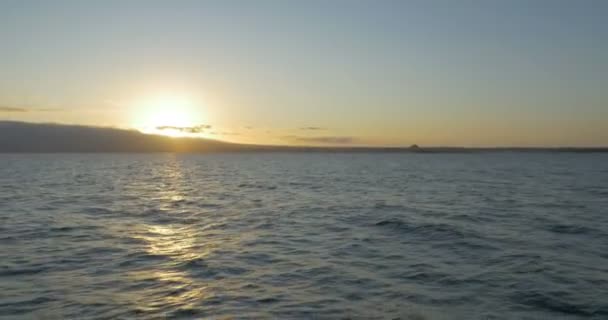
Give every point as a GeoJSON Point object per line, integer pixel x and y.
{"type": "Point", "coordinates": [35, 137]}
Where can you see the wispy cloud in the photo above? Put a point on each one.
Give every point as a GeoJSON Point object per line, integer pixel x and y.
{"type": "Point", "coordinates": [12, 109]}
{"type": "Point", "coordinates": [313, 128]}
{"type": "Point", "coordinates": [322, 140]}
{"type": "Point", "coordinates": [224, 133]}
{"type": "Point", "coordinates": [195, 129]}
{"type": "Point", "coordinates": [47, 110]}
{"type": "Point", "coordinates": [21, 109]}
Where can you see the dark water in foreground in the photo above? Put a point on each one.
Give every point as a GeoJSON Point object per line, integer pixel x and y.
{"type": "Point", "coordinates": [301, 236]}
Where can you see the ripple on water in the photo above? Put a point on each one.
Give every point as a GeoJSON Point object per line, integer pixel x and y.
{"type": "Point", "coordinates": [558, 302]}
{"type": "Point", "coordinates": [431, 231]}
{"type": "Point", "coordinates": [569, 229]}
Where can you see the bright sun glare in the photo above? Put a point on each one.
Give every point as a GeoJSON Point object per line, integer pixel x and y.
{"type": "Point", "coordinates": [165, 115]}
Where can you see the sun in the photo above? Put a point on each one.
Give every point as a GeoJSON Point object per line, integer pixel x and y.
{"type": "Point", "coordinates": [167, 115]}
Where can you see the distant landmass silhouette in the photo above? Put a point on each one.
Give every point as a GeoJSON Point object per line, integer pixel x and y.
{"type": "Point", "coordinates": [17, 137]}
{"type": "Point", "coordinates": [36, 137]}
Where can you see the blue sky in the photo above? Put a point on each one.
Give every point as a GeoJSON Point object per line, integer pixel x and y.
{"type": "Point", "coordinates": [468, 73]}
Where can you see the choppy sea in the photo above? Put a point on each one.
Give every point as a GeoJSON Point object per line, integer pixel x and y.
{"type": "Point", "coordinates": [508, 235]}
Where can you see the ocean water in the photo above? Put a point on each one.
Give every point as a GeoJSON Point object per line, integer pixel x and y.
{"type": "Point", "coordinates": [304, 236]}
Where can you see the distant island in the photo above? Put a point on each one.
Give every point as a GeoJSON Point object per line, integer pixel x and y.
{"type": "Point", "coordinates": [25, 137]}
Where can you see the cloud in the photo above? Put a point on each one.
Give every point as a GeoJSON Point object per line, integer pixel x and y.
{"type": "Point", "coordinates": [322, 140]}
{"type": "Point", "coordinates": [12, 109]}
{"type": "Point", "coordinates": [20, 109]}
{"type": "Point", "coordinates": [195, 129]}
{"type": "Point", "coordinates": [47, 110]}
{"type": "Point", "coordinates": [224, 133]}
{"type": "Point", "coordinates": [313, 128]}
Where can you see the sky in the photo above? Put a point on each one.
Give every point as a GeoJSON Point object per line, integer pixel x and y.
{"type": "Point", "coordinates": [377, 73]}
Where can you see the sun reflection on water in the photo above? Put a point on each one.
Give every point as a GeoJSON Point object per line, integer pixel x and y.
{"type": "Point", "coordinates": [182, 253]}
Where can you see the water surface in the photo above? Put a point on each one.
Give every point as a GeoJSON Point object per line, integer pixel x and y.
{"type": "Point", "coordinates": [301, 236]}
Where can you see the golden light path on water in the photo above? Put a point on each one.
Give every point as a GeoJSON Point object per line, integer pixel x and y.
{"type": "Point", "coordinates": [180, 244]}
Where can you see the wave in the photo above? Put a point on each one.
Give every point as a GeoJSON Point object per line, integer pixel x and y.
{"type": "Point", "coordinates": [431, 231]}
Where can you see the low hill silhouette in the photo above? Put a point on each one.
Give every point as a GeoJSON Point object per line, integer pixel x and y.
{"type": "Point", "coordinates": [35, 137]}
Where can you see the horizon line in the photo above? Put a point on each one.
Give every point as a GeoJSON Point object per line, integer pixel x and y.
{"type": "Point", "coordinates": [413, 148]}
